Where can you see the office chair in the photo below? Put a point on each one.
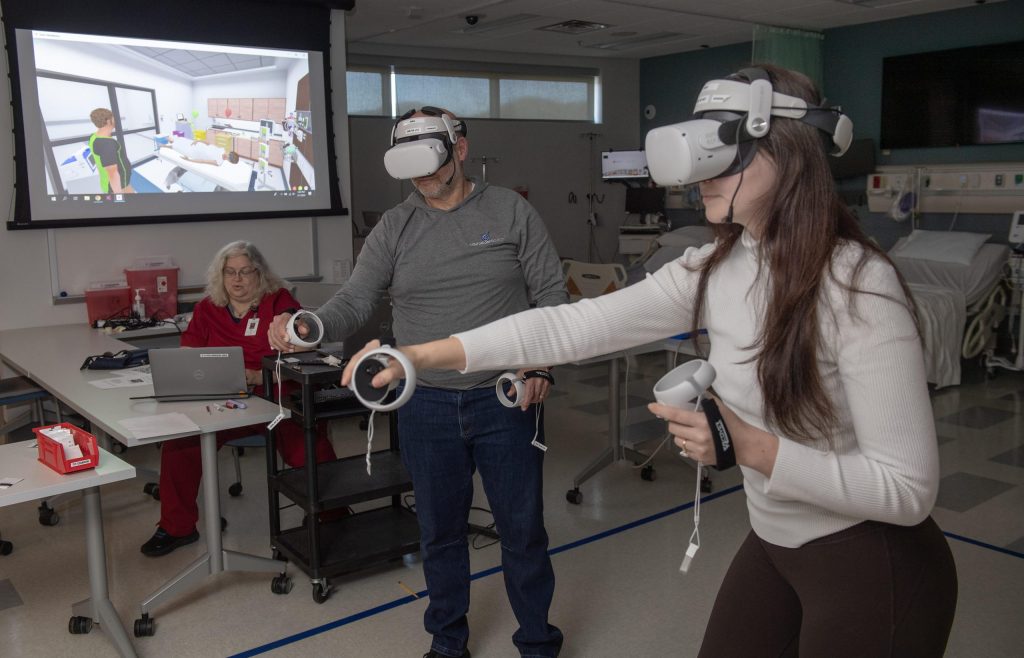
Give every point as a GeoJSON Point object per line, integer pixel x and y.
{"type": "Point", "coordinates": [238, 447]}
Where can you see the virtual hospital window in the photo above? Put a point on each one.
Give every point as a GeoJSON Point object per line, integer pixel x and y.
{"type": "Point", "coordinates": [390, 91]}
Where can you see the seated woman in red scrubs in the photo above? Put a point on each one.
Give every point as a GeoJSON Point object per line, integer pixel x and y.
{"type": "Point", "coordinates": [242, 296]}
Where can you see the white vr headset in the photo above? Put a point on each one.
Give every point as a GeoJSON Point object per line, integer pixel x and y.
{"type": "Point", "coordinates": [730, 116]}
{"type": "Point", "coordinates": [422, 145]}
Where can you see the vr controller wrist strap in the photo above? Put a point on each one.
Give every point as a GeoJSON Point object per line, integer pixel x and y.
{"type": "Point", "coordinates": [543, 374]}
{"type": "Point", "coordinates": [725, 456]}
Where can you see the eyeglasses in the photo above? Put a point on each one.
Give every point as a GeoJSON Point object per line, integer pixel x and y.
{"type": "Point", "coordinates": [244, 272]}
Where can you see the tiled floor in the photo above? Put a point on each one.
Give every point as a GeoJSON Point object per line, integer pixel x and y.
{"type": "Point", "coordinates": [616, 555]}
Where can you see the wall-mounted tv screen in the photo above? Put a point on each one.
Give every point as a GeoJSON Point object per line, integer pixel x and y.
{"type": "Point", "coordinates": [623, 164]}
{"type": "Point", "coordinates": [118, 129]}
{"type": "Point", "coordinates": [966, 96]}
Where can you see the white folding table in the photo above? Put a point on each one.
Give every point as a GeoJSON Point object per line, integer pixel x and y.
{"type": "Point", "coordinates": [40, 481]}
{"type": "Point", "coordinates": [51, 356]}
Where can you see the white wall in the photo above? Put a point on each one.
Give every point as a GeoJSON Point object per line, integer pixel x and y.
{"type": "Point", "coordinates": [551, 158]}
{"type": "Point", "coordinates": [118, 65]}
{"type": "Point", "coordinates": [25, 298]}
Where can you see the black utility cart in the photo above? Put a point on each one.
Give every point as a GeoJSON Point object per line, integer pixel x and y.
{"type": "Point", "coordinates": [327, 548]}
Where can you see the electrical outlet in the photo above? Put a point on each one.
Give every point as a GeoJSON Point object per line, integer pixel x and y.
{"type": "Point", "coordinates": [161, 284]}
{"type": "Point", "coordinates": [342, 270]}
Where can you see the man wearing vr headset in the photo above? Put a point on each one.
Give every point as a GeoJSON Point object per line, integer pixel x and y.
{"type": "Point", "coordinates": [820, 380]}
{"type": "Point", "coordinates": [455, 254]}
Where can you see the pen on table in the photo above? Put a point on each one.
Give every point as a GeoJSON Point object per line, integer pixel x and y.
{"type": "Point", "coordinates": [208, 409]}
{"type": "Point", "coordinates": [414, 594]}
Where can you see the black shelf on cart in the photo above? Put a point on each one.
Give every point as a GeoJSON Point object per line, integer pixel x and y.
{"type": "Point", "coordinates": [354, 542]}
{"type": "Point", "coordinates": [345, 482]}
{"type": "Point", "coordinates": [327, 548]}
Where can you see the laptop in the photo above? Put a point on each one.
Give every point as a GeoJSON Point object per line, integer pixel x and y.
{"type": "Point", "coordinates": [196, 373]}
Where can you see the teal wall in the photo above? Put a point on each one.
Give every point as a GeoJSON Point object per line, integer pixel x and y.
{"type": "Point", "coordinates": [853, 79]}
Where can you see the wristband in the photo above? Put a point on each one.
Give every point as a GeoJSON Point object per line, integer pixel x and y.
{"type": "Point", "coordinates": [543, 374]}
{"type": "Point", "coordinates": [725, 456]}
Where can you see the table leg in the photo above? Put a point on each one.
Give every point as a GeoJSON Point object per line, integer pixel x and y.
{"type": "Point", "coordinates": [216, 558]}
{"type": "Point", "coordinates": [98, 607]}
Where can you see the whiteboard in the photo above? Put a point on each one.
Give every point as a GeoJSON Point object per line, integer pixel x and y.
{"type": "Point", "coordinates": [86, 255]}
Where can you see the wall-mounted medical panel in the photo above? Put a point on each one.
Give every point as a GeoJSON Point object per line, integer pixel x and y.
{"type": "Point", "coordinates": [979, 188]}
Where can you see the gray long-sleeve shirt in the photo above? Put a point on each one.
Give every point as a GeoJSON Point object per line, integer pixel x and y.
{"type": "Point", "coordinates": [449, 271]}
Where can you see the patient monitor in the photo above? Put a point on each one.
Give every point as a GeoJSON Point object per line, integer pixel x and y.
{"type": "Point", "coordinates": [1017, 228]}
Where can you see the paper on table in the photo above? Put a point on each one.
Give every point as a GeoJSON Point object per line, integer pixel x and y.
{"type": "Point", "coordinates": [144, 427]}
{"type": "Point", "coordinates": [131, 377]}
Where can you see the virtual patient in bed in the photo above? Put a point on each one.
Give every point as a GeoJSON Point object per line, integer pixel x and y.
{"type": "Point", "coordinates": [197, 151]}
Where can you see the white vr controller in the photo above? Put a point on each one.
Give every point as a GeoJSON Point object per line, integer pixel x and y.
{"type": "Point", "coordinates": [315, 327]}
{"type": "Point", "coordinates": [368, 366]}
{"type": "Point", "coordinates": [684, 383]}
{"type": "Point", "coordinates": [518, 385]}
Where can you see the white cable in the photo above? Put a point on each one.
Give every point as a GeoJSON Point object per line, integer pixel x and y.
{"type": "Point", "coordinates": [536, 431]}
{"type": "Point", "coordinates": [369, 439]}
{"type": "Point", "coordinates": [280, 407]}
{"type": "Point", "coordinates": [694, 545]}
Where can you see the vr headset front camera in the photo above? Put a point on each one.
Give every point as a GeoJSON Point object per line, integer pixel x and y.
{"type": "Point", "coordinates": [422, 145]}
{"type": "Point", "coordinates": [729, 117]}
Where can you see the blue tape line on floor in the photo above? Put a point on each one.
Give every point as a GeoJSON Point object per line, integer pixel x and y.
{"type": "Point", "coordinates": [477, 576]}
{"type": "Point", "coordinates": [554, 551]}
{"type": "Point", "coordinates": [991, 547]}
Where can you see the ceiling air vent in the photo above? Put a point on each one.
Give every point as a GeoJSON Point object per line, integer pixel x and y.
{"type": "Point", "coordinates": [574, 27]}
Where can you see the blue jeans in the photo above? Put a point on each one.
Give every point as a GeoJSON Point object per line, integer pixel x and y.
{"type": "Point", "coordinates": [445, 436]}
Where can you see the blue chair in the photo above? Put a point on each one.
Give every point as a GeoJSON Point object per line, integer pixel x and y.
{"type": "Point", "coordinates": [22, 390]}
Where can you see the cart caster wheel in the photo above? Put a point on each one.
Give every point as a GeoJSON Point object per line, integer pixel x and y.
{"type": "Point", "coordinates": [282, 584]}
{"type": "Point", "coordinates": [117, 447]}
{"type": "Point", "coordinates": [151, 489]}
{"type": "Point", "coordinates": [705, 484]}
{"type": "Point", "coordinates": [79, 625]}
{"type": "Point", "coordinates": [321, 592]}
{"type": "Point", "coordinates": [47, 515]}
{"type": "Point", "coordinates": [648, 473]}
{"type": "Point", "coordinates": [574, 496]}
{"type": "Point", "coordinates": [235, 490]}
{"type": "Point", "coordinates": [144, 626]}
{"type": "Point", "coordinates": [223, 524]}
{"type": "Point", "coordinates": [6, 547]}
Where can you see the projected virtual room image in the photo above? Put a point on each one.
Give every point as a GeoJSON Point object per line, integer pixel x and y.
{"type": "Point", "coordinates": [129, 116]}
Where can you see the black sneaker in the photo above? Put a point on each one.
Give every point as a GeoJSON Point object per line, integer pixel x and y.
{"type": "Point", "coordinates": [162, 543]}
{"type": "Point", "coordinates": [435, 654]}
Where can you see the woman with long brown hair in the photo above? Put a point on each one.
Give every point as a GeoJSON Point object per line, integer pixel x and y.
{"type": "Point", "coordinates": [820, 382]}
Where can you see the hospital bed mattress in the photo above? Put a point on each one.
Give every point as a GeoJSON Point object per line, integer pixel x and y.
{"type": "Point", "coordinates": [974, 281]}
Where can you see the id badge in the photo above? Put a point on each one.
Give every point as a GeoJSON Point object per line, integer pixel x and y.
{"type": "Point", "coordinates": [250, 328]}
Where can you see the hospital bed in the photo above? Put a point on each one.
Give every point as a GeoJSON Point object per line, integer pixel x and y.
{"type": "Point", "coordinates": [666, 248]}
{"type": "Point", "coordinates": [953, 275]}
{"type": "Point", "coordinates": [228, 176]}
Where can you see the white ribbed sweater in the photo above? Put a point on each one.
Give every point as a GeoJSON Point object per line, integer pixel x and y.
{"type": "Point", "coordinates": [884, 462]}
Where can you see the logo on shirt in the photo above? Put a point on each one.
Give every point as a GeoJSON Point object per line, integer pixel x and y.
{"type": "Point", "coordinates": [486, 239]}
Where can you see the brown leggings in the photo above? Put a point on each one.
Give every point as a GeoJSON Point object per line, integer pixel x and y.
{"type": "Point", "coordinates": [873, 590]}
